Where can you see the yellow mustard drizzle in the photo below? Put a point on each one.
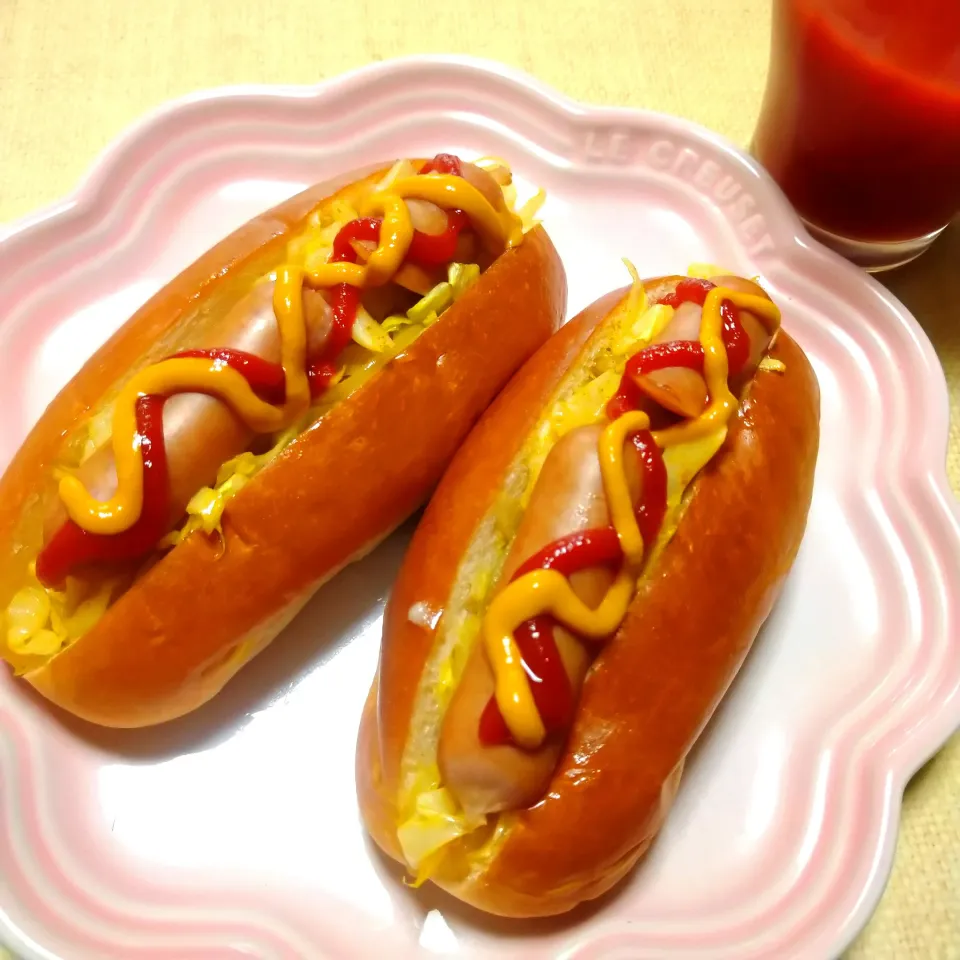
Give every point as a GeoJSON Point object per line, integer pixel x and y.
{"type": "Point", "coordinates": [214, 377]}
{"type": "Point", "coordinates": [548, 591]}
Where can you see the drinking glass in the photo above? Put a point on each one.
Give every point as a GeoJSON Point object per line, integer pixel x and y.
{"type": "Point", "coordinates": [860, 123]}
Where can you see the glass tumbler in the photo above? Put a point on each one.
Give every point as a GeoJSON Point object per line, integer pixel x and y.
{"type": "Point", "coordinates": [860, 123]}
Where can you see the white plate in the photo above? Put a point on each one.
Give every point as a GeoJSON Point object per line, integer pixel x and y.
{"type": "Point", "coordinates": [234, 832]}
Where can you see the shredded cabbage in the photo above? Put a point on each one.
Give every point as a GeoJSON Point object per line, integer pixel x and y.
{"type": "Point", "coordinates": [704, 271]}
{"type": "Point", "coordinates": [99, 431]}
{"type": "Point", "coordinates": [400, 170]}
{"type": "Point", "coordinates": [40, 622]}
{"type": "Point", "coordinates": [206, 506]}
{"type": "Point", "coordinates": [490, 163]}
{"type": "Point", "coordinates": [394, 322]}
{"type": "Point", "coordinates": [586, 406]}
{"type": "Point", "coordinates": [370, 334]}
{"type": "Point", "coordinates": [437, 821]}
{"type": "Point", "coordinates": [637, 299]}
{"type": "Point", "coordinates": [529, 210]}
{"type": "Point", "coordinates": [652, 323]}
{"type": "Point", "coordinates": [435, 302]}
{"type": "Point", "coordinates": [341, 211]}
{"type": "Point", "coordinates": [426, 311]}
{"type": "Point", "coordinates": [27, 616]}
{"type": "Point", "coordinates": [461, 276]}
{"type": "Point", "coordinates": [772, 365]}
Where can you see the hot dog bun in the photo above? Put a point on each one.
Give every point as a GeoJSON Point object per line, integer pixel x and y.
{"type": "Point", "coordinates": [653, 686]}
{"type": "Point", "coordinates": [204, 609]}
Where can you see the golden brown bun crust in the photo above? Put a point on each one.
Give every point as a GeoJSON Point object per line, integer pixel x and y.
{"type": "Point", "coordinates": [378, 802]}
{"type": "Point", "coordinates": [656, 684]}
{"type": "Point", "coordinates": [174, 639]}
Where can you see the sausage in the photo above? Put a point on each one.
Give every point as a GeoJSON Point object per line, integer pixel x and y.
{"type": "Point", "coordinates": [678, 389]}
{"type": "Point", "coordinates": [485, 183]}
{"type": "Point", "coordinates": [683, 391]}
{"type": "Point", "coordinates": [754, 328]}
{"type": "Point", "coordinates": [201, 432]}
{"type": "Point", "coordinates": [568, 497]}
{"type": "Point", "coordinates": [427, 217]}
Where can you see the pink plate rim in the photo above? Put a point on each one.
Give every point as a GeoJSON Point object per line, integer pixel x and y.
{"type": "Point", "coordinates": [880, 753]}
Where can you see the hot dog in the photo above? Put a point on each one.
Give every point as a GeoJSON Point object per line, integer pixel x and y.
{"type": "Point", "coordinates": [265, 419]}
{"type": "Point", "coordinates": [581, 591]}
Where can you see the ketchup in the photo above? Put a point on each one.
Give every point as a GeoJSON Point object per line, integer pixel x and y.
{"type": "Point", "coordinates": [266, 379]}
{"type": "Point", "coordinates": [444, 163]}
{"type": "Point", "coordinates": [860, 124]}
{"type": "Point", "coordinates": [688, 290]}
{"type": "Point", "coordinates": [549, 683]}
{"type": "Point", "coordinates": [660, 356]}
{"type": "Point", "coordinates": [653, 474]}
{"type": "Point", "coordinates": [434, 250]}
{"type": "Point", "coordinates": [344, 296]}
{"type": "Point", "coordinates": [589, 548]}
{"type": "Point", "coordinates": [735, 339]}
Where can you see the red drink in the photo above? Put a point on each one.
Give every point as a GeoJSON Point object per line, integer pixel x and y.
{"type": "Point", "coordinates": [860, 124]}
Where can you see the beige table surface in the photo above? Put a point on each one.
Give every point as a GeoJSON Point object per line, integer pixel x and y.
{"type": "Point", "coordinates": [74, 73]}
